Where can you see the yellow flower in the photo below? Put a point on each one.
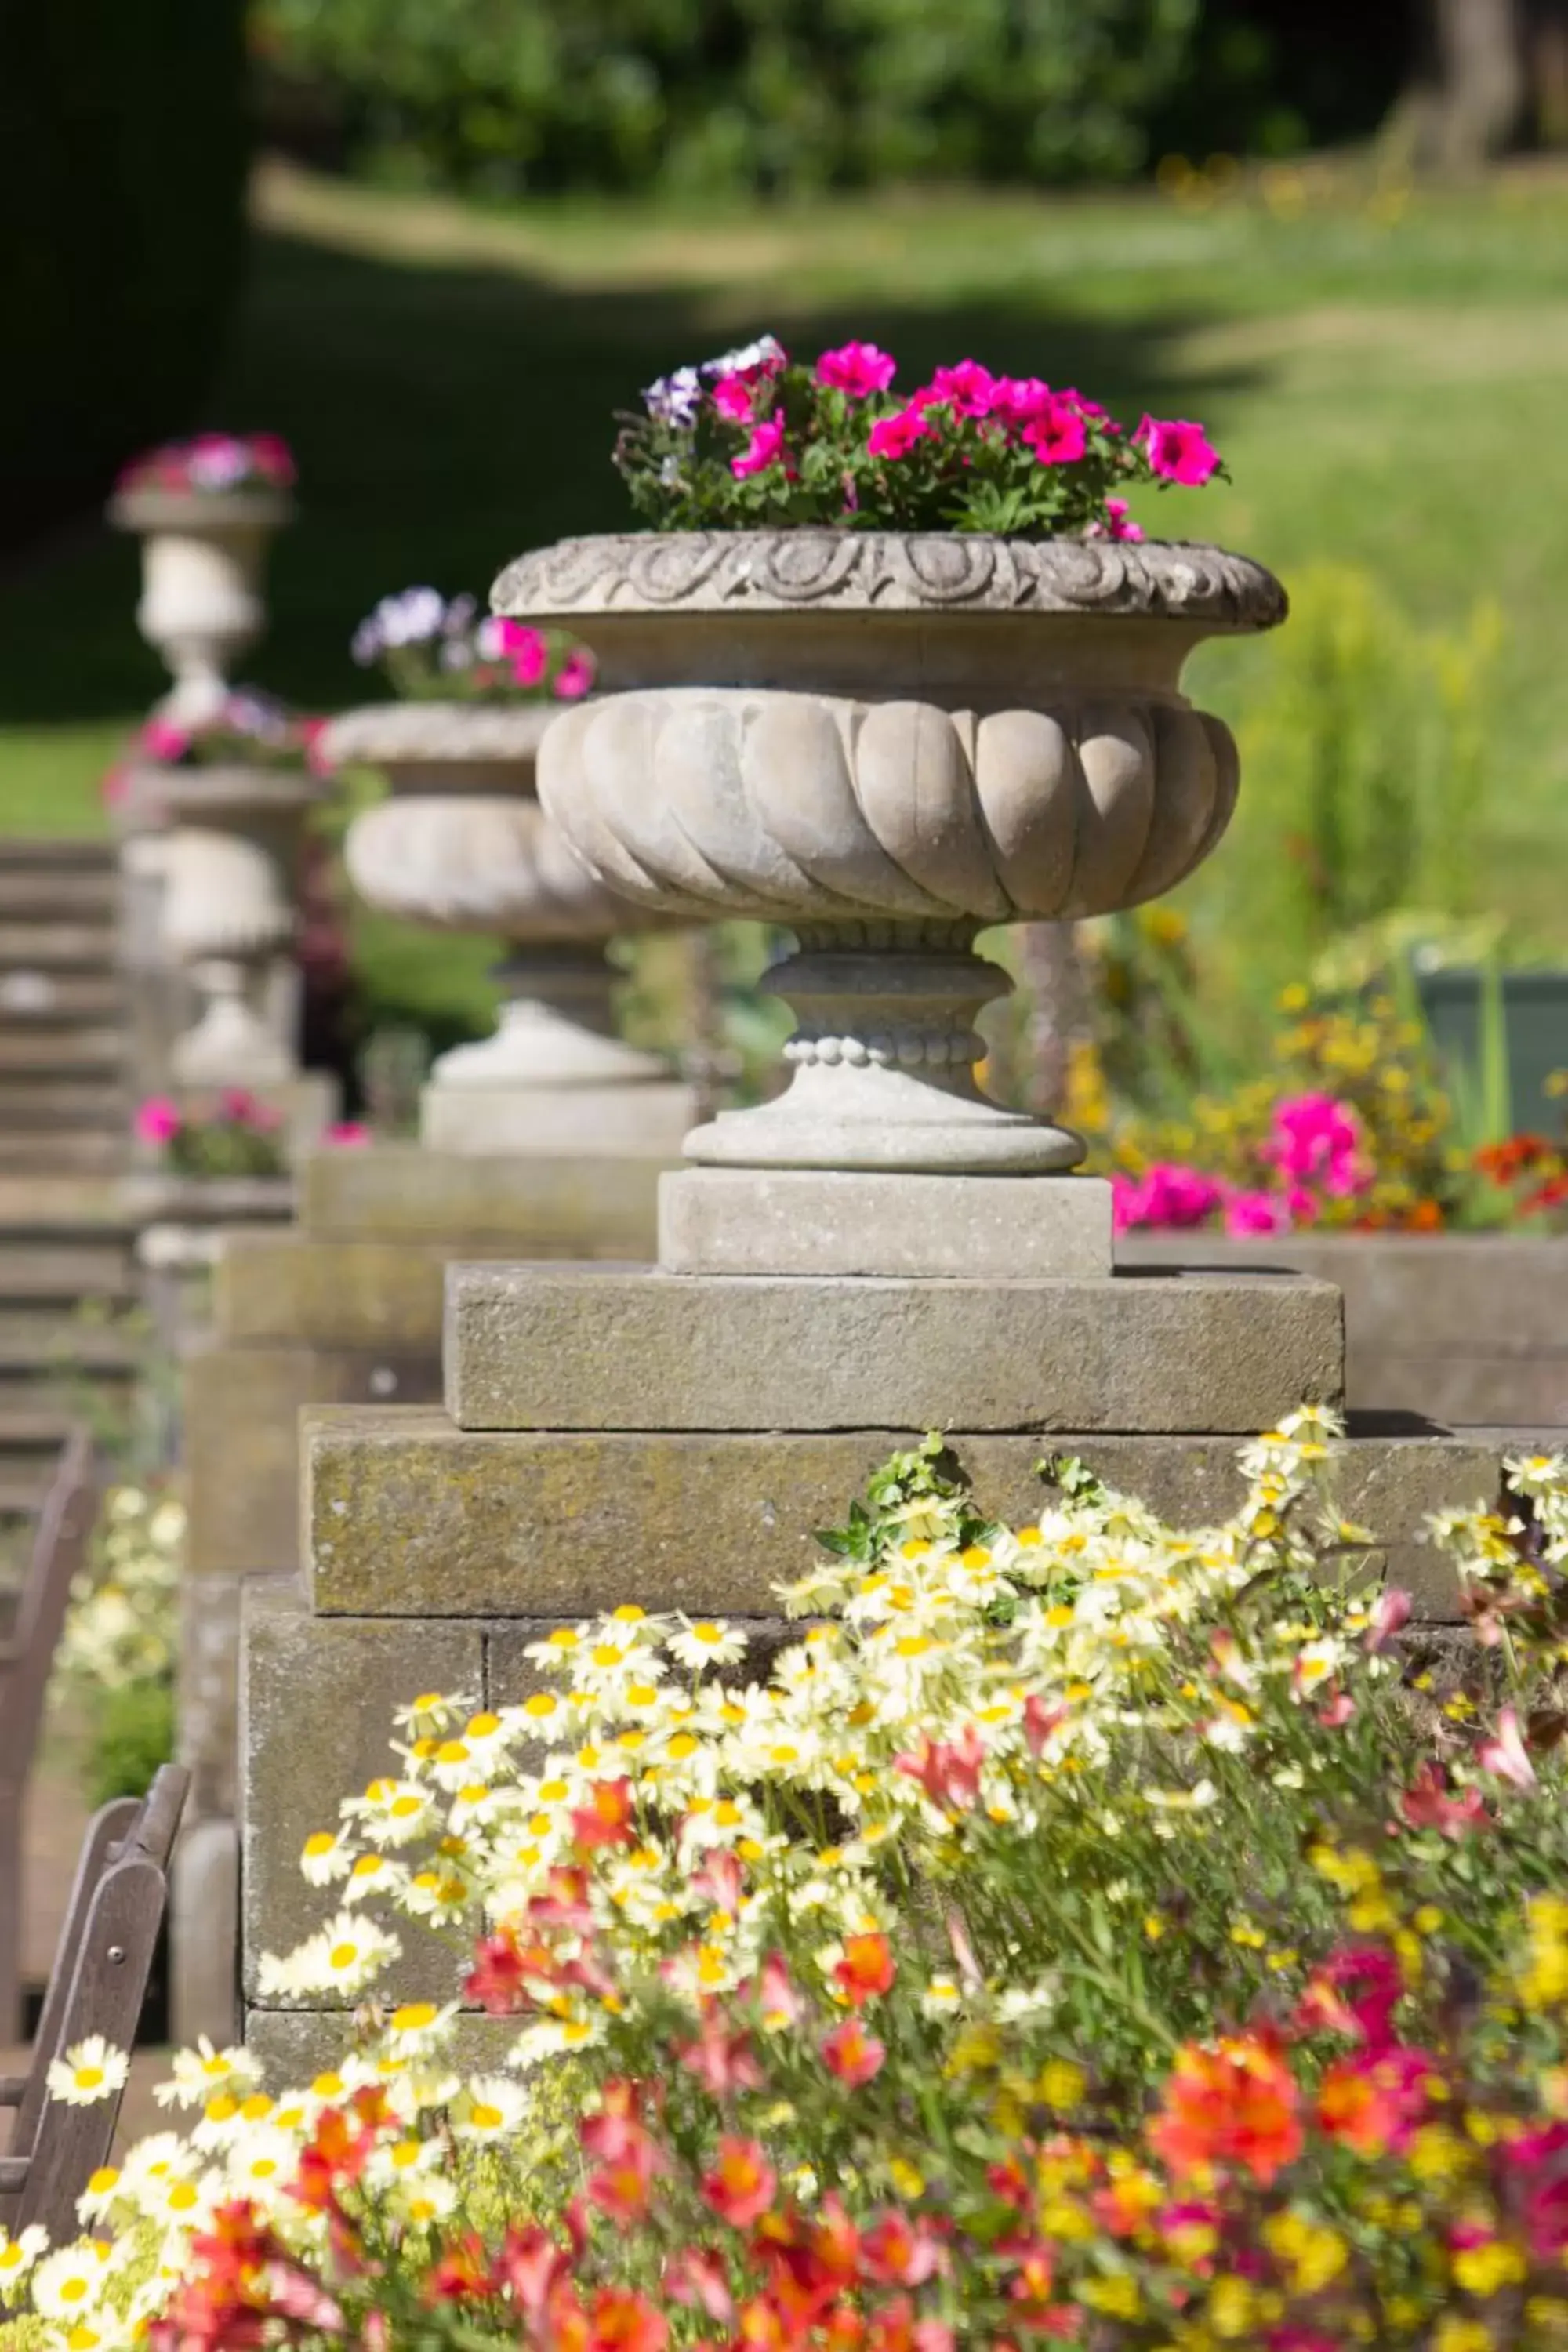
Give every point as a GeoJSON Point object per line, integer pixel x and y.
{"type": "Point", "coordinates": [1488, 2268]}
{"type": "Point", "coordinates": [1062, 2084]}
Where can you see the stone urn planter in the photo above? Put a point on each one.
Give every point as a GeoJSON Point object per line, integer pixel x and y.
{"type": "Point", "coordinates": [226, 843]}
{"type": "Point", "coordinates": [888, 742]}
{"type": "Point", "coordinates": [202, 555]}
{"type": "Point", "coordinates": [462, 845]}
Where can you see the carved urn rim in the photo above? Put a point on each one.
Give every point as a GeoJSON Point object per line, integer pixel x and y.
{"type": "Point", "coordinates": [196, 512]}
{"type": "Point", "coordinates": [386, 734]}
{"type": "Point", "coordinates": [229, 788]}
{"type": "Point", "coordinates": [812, 571]}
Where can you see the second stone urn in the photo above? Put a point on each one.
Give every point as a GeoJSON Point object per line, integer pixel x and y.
{"type": "Point", "coordinates": [888, 742]}
{"type": "Point", "coordinates": [462, 845]}
{"type": "Point", "coordinates": [203, 554]}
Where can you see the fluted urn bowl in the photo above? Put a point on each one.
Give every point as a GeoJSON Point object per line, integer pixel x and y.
{"type": "Point", "coordinates": [462, 843]}
{"type": "Point", "coordinates": [889, 742]}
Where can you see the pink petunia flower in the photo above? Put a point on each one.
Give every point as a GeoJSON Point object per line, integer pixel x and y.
{"type": "Point", "coordinates": [1117, 523]}
{"type": "Point", "coordinates": [764, 448]}
{"type": "Point", "coordinates": [162, 740]}
{"type": "Point", "coordinates": [274, 459]}
{"type": "Point", "coordinates": [1165, 1195]}
{"type": "Point", "coordinates": [1057, 436]}
{"type": "Point", "coordinates": [575, 678]}
{"type": "Point", "coordinates": [1317, 1139]}
{"type": "Point", "coordinates": [733, 398]}
{"type": "Point", "coordinates": [1177, 450]}
{"type": "Point", "coordinates": [346, 1135]}
{"type": "Point", "coordinates": [968, 389]}
{"type": "Point", "coordinates": [1019, 399]}
{"type": "Point", "coordinates": [522, 648]}
{"type": "Point", "coordinates": [895, 437]}
{"type": "Point", "coordinates": [158, 1120]}
{"type": "Point", "coordinates": [858, 369]}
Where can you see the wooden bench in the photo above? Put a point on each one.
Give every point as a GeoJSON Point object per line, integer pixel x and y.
{"type": "Point", "coordinates": [59, 1551]}
{"type": "Point", "coordinates": [97, 1985]}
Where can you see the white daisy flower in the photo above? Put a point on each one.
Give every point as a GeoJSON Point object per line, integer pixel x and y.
{"type": "Point", "coordinates": [325, 1858]}
{"type": "Point", "coordinates": [702, 1642]}
{"type": "Point", "coordinates": [18, 2256]}
{"type": "Point", "coordinates": [195, 2075]}
{"type": "Point", "coordinates": [94, 2070]}
{"type": "Point", "coordinates": [491, 2107]}
{"type": "Point", "coordinates": [66, 2286]}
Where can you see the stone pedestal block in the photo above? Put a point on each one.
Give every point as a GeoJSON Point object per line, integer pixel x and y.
{"type": "Point", "coordinates": [405, 1516]}
{"type": "Point", "coordinates": [641, 1122]}
{"type": "Point", "coordinates": [570, 1205]}
{"type": "Point", "coordinates": [539, 1348]}
{"type": "Point", "coordinates": [832, 1221]}
{"type": "Point", "coordinates": [1465, 1329]}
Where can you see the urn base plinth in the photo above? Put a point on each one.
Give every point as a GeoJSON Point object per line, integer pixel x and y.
{"type": "Point", "coordinates": [830, 1222]}
{"type": "Point", "coordinates": [643, 1122]}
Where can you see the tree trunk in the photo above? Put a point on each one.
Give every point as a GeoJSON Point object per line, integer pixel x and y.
{"type": "Point", "coordinates": [1467, 97]}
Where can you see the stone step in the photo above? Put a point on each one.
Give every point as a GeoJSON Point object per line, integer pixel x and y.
{"type": "Point", "coordinates": [85, 895]}
{"type": "Point", "coordinates": [25, 853]}
{"type": "Point", "coordinates": [91, 1269]}
{"type": "Point", "coordinates": [70, 1152]}
{"type": "Point", "coordinates": [33, 1102]}
{"type": "Point", "coordinates": [31, 999]}
{"type": "Point", "coordinates": [55, 947]}
{"type": "Point", "coordinates": [99, 1051]}
{"type": "Point", "coordinates": [69, 1208]}
{"type": "Point", "coordinates": [51, 1344]}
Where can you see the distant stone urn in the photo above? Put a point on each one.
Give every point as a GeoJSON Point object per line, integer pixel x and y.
{"type": "Point", "coordinates": [886, 742]}
{"type": "Point", "coordinates": [202, 557]}
{"type": "Point", "coordinates": [461, 845]}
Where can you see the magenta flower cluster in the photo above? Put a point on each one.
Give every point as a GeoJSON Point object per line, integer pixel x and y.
{"type": "Point", "coordinates": [429, 646]}
{"type": "Point", "coordinates": [754, 437]}
{"type": "Point", "coordinates": [1314, 1156]}
{"type": "Point", "coordinates": [212, 464]}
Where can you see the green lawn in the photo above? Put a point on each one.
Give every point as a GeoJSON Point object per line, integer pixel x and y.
{"type": "Point", "coordinates": [1388, 391]}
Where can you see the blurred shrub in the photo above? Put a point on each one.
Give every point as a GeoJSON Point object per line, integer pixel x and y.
{"type": "Point", "coordinates": [1365, 766]}
{"type": "Point", "coordinates": [122, 158]}
{"type": "Point", "coordinates": [510, 94]}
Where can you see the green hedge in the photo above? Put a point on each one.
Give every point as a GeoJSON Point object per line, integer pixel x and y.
{"type": "Point", "coordinates": [123, 143]}
{"type": "Point", "coordinates": [514, 94]}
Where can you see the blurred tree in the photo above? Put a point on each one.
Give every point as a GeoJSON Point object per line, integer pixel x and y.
{"type": "Point", "coordinates": [506, 95]}
{"type": "Point", "coordinates": [123, 143]}
{"type": "Point", "coordinates": [1486, 75]}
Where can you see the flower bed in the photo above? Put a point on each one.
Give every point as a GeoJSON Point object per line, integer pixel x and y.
{"type": "Point", "coordinates": [1092, 1933]}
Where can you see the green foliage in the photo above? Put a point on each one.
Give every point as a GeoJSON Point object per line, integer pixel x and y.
{"type": "Point", "coordinates": [122, 158]}
{"type": "Point", "coordinates": [504, 94]}
{"type": "Point", "coordinates": [1366, 760]}
{"type": "Point", "coordinates": [132, 1733]}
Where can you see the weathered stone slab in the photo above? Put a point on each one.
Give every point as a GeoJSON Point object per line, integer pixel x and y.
{"type": "Point", "coordinates": [407, 1515]}
{"type": "Point", "coordinates": [290, 1290]}
{"type": "Point", "coordinates": [316, 1701]}
{"type": "Point", "coordinates": [242, 1448]}
{"type": "Point", "coordinates": [1466, 1328]}
{"type": "Point", "coordinates": [574, 1205]}
{"type": "Point", "coordinates": [834, 1222]}
{"type": "Point", "coordinates": [596, 1348]}
{"type": "Point", "coordinates": [645, 1121]}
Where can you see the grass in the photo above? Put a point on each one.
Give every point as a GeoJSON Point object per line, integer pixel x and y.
{"type": "Point", "coordinates": [1386, 378]}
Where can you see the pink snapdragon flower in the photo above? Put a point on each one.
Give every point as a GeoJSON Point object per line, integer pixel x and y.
{"type": "Point", "coordinates": [1057, 436]}
{"type": "Point", "coordinates": [856, 369]}
{"type": "Point", "coordinates": [1317, 1139]}
{"type": "Point", "coordinates": [764, 448]}
{"type": "Point", "coordinates": [158, 1120]}
{"type": "Point", "coordinates": [1246, 1214]}
{"type": "Point", "coordinates": [895, 437]}
{"type": "Point", "coordinates": [575, 678]}
{"type": "Point", "coordinates": [1166, 1194]}
{"type": "Point", "coordinates": [1177, 450]}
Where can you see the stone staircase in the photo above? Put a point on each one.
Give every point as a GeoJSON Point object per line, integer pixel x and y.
{"type": "Point", "coordinates": [67, 1271]}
